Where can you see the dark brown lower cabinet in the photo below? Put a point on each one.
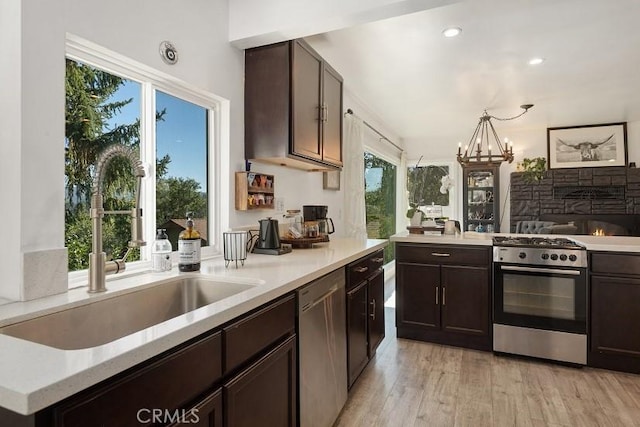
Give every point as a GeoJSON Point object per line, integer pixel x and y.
{"type": "Point", "coordinates": [614, 340]}
{"type": "Point", "coordinates": [265, 392]}
{"type": "Point", "coordinates": [375, 300]}
{"type": "Point", "coordinates": [357, 356]}
{"type": "Point", "coordinates": [365, 312]}
{"type": "Point", "coordinates": [443, 294]}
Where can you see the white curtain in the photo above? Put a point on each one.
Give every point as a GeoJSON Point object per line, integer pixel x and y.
{"type": "Point", "coordinates": [402, 200]}
{"type": "Point", "coordinates": [354, 204]}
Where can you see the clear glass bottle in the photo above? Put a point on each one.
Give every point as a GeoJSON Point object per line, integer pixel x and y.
{"type": "Point", "coordinates": [294, 224]}
{"type": "Point", "coordinates": [161, 252]}
{"type": "Point", "coordinates": [189, 247]}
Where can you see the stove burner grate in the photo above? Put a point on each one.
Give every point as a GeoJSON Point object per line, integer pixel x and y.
{"type": "Point", "coordinates": [545, 242]}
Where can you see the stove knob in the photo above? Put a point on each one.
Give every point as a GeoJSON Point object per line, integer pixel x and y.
{"type": "Point", "coordinates": [554, 257]}
{"type": "Point", "coordinates": [572, 257]}
{"type": "Point", "coordinates": [563, 257]}
{"type": "Point", "coordinates": [545, 256]}
{"type": "Point", "coordinates": [522, 255]}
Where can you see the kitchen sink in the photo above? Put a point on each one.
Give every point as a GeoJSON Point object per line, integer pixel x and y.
{"type": "Point", "coordinates": [103, 321]}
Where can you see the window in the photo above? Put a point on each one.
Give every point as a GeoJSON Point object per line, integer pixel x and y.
{"type": "Point", "coordinates": [430, 188]}
{"type": "Point", "coordinates": [111, 99]}
{"type": "Point", "coordinates": [380, 200]}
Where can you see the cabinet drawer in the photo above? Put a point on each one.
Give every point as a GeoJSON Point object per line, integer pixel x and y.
{"type": "Point", "coordinates": [167, 383]}
{"type": "Point", "coordinates": [443, 254]}
{"type": "Point", "coordinates": [249, 336]}
{"type": "Point", "coordinates": [612, 263]}
{"type": "Point", "coordinates": [358, 271]}
{"type": "Point", "coordinates": [376, 261]}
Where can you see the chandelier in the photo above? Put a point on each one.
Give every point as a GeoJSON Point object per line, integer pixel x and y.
{"type": "Point", "coordinates": [486, 138]}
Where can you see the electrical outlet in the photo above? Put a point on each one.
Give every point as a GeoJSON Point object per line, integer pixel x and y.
{"type": "Point", "coordinates": [279, 204]}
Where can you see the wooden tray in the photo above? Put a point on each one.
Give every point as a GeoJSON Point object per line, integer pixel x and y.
{"type": "Point", "coordinates": [304, 242]}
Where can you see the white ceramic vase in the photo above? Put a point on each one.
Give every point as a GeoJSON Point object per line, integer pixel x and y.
{"type": "Point", "coordinates": [416, 219]}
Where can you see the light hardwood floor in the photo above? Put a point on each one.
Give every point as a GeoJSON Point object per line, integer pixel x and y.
{"type": "Point", "coordinates": [412, 383]}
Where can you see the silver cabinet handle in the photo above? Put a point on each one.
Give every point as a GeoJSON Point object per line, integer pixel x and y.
{"type": "Point", "coordinates": [377, 259]}
{"type": "Point", "coordinates": [373, 310]}
{"type": "Point", "coordinates": [444, 295]}
{"type": "Point", "coordinates": [326, 113]}
{"type": "Point", "coordinates": [441, 254]}
{"type": "Point", "coordinates": [360, 269]}
{"type": "Point", "coordinates": [437, 292]}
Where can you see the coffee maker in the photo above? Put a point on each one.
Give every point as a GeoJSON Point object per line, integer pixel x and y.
{"type": "Point", "coordinates": [318, 213]}
{"type": "Point", "coordinates": [268, 239]}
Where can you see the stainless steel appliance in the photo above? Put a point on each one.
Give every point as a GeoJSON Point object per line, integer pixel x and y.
{"type": "Point", "coordinates": [268, 239]}
{"type": "Point", "coordinates": [540, 298]}
{"type": "Point", "coordinates": [322, 350]}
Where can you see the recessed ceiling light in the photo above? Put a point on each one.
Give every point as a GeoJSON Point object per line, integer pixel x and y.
{"type": "Point", "coordinates": [452, 31]}
{"type": "Point", "coordinates": [536, 61]}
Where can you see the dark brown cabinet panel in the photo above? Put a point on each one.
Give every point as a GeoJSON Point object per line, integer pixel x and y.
{"type": "Point", "coordinates": [188, 371]}
{"type": "Point", "coordinates": [293, 107]}
{"type": "Point", "coordinates": [417, 286]}
{"type": "Point", "coordinates": [443, 294]}
{"type": "Point", "coordinates": [376, 311]}
{"type": "Point", "coordinates": [205, 413]}
{"type": "Point", "coordinates": [252, 334]}
{"type": "Point", "coordinates": [614, 341]}
{"type": "Point", "coordinates": [307, 106]}
{"type": "Point", "coordinates": [357, 347]}
{"type": "Point", "coordinates": [332, 119]}
{"type": "Point", "coordinates": [365, 312]}
{"type": "Point", "coordinates": [265, 392]}
{"type": "Point", "coordinates": [462, 288]}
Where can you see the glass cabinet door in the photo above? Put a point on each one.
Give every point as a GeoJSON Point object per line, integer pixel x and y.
{"type": "Point", "coordinates": [481, 204]}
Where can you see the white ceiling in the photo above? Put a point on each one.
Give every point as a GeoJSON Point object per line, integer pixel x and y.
{"type": "Point", "coordinates": [429, 88]}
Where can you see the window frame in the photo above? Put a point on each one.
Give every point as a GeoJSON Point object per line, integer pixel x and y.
{"type": "Point", "coordinates": [151, 80]}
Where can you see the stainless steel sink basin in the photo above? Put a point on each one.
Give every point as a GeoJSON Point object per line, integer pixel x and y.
{"type": "Point", "coordinates": [106, 320]}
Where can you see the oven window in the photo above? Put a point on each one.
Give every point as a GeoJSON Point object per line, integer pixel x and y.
{"type": "Point", "coordinates": [541, 296]}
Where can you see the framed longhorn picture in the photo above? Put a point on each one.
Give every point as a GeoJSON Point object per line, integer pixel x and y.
{"type": "Point", "coordinates": [587, 146]}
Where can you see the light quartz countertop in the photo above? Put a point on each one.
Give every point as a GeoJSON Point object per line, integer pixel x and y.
{"type": "Point", "coordinates": [35, 376]}
{"type": "Point", "coordinates": [592, 243]}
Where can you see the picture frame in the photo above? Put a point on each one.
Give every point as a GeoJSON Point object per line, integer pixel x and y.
{"type": "Point", "coordinates": [587, 146]}
{"type": "Point", "coordinates": [331, 180]}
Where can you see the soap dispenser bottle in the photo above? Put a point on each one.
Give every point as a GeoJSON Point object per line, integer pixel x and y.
{"type": "Point", "coordinates": [189, 247]}
{"type": "Point", "coordinates": [161, 252]}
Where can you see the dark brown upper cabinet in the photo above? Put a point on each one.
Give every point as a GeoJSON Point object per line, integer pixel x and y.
{"type": "Point", "coordinates": [293, 107]}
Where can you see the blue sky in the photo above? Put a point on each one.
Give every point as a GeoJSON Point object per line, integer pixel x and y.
{"type": "Point", "coordinates": [181, 135]}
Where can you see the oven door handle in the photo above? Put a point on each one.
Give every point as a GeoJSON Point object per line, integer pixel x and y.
{"type": "Point", "coordinates": [541, 270]}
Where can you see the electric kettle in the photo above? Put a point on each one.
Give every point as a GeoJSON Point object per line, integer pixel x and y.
{"type": "Point", "coordinates": [268, 236]}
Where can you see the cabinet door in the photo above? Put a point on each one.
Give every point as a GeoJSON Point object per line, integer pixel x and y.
{"type": "Point", "coordinates": [265, 392]}
{"type": "Point", "coordinates": [357, 345]}
{"type": "Point", "coordinates": [206, 413]}
{"type": "Point", "coordinates": [615, 316]}
{"type": "Point", "coordinates": [376, 311]}
{"type": "Point", "coordinates": [418, 300]}
{"type": "Point", "coordinates": [332, 117]}
{"type": "Point", "coordinates": [465, 300]}
{"type": "Point", "coordinates": [481, 199]}
{"type": "Point", "coordinates": [306, 100]}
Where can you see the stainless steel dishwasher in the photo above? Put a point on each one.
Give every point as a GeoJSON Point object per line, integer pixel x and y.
{"type": "Point", "coordinates": [322, 350]}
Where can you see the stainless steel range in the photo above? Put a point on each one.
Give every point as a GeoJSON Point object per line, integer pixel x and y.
{"type": "Point", "coordinates": [540, 298]}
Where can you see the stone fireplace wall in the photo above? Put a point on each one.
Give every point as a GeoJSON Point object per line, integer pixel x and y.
{"type": "Point", "coordinates": [582, 191]}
